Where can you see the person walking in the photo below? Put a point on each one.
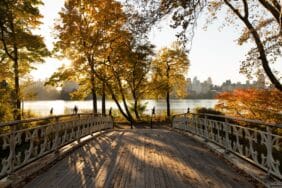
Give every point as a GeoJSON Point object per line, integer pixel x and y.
{"type": "Point", "coordinates": [75, 110]}
{"type": "Point", "coordinates": [51, 111]}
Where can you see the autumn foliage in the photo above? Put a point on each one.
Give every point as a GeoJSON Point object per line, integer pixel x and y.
{"type": "Point", "coordinates": [260, 104]}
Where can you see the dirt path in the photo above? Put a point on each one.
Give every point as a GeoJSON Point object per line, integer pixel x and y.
{"type": "Point", "coordinates": [141, 158]}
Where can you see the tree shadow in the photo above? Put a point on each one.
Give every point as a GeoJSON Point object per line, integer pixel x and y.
{"type": "Point", "coordinates": [141, 158]}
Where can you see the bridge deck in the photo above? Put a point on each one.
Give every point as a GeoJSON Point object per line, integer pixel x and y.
{"type": "Point", "coordinates": [141, 158]}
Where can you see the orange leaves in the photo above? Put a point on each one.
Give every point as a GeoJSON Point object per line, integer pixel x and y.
{"type": "Point", "coordinates": [261, 104]}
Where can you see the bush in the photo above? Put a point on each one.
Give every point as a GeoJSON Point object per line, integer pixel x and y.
{"type": "Point", "coordinates": [210, 111]}
{"type": "Point", "coordinates": [6, 108]}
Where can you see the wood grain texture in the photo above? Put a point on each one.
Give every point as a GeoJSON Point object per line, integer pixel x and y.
{"type": "Point", "coordinates": [141, 158]}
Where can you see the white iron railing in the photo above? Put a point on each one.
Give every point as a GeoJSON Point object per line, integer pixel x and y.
{"type": "Point", "coordinates": [25, 141]}
{"type": "Point", "coordinates": [260, 145]}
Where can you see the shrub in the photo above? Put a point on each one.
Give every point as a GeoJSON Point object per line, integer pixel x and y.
{"type": "Point", "coordinates": [210, 111]}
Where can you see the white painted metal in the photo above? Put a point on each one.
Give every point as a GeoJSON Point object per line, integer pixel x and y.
{"type": "Point", "coordinates": [22, 146]}
{"type": "Point", "coordinates": [261, 147]}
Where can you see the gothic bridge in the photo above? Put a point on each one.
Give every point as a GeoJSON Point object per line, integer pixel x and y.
{"type": "Point", "coordinates": [85, 150]}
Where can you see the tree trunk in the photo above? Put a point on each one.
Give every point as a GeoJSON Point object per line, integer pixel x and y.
{"type": "Point", "coordinates": [103, 99]}
{"type": "Point", "coordinates": [94, 96]}
{"type": "Point", "coordinates": [17, 82]}
{"type": "Point", "coordinates": [17, 114]}
{"type": "Point", "coordinates": [135, 98]}
{"type": "Point", "coordinates": [136, 109]}
{"type": "Point", "coordinates": [167, 92]}
{"type": "Point", "coordinates": [94, 100]}
{"type": "Point", "coordinates": [124, 99]}
{"type": "Point", "coordinates": [113, 95]}
{"type": "Point", "coordinates": [167, 105]}
{"type": "Point", "coordinates": [126, 108]}
{"type": "Point", "coordinates": [120, 109]}
{"type": "Point", "coordinates": [93, 87]}
{"type": "Point", "coordinates": [15, 59]}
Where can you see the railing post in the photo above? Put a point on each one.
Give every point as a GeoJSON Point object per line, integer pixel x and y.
{"type": "Point", "coordinates": [172, 118]}
{"type": "Point", "coordinates": [187, 120]}
{"type": "Point", "coordinates": [79, 131]}
{"type": "Point", "coordinates": [194, 124]}
{"type": "Point", "coordinates": [12, 149]}
{"type": "Point", "coordinates": [269, 156]}
{"type": "Point", "coordinates": [205, 128]}
{"type": "Point", "coordinates": [226, 129]}
{"type": "Point", "coordinates": [56, 127]}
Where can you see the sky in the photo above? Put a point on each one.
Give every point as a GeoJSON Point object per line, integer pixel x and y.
{"type": "Point", "coordinates": [214, 53]}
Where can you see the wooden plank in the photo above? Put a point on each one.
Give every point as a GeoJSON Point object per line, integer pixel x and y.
{"type": "Point", "coordinates": [140, 171]}
{"type": "Point", "coordinates": [141, 158]}
{"type": "Point", "coordinates": [130, 172]}
{"type": "Point", "coordinates": [126, 165]}
{"type": "Point", "coordinates": [104, 171]}
{"type": "Point", "coordinates": [66, 170]}
{"type": "Point", "coordinates": [171, 176]}
{"type": "Point", "coordinates": [189, 174]}
{"type": "Point", "coordinates": [115, 160]}
{"type": "Point", "coordinates": [133, 170]}
{"type": "Point", "coordinates": [159, 170]}
{"type": "Point", "coordinates": [155, 167]}
{"type": "Point", "coordinates": [118, 178]}
{"type": "Point", "coordinates": [148, 174]}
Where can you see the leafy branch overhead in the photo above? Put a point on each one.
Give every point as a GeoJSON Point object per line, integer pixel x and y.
{"type": "Point", "coordinates": [261, 21]}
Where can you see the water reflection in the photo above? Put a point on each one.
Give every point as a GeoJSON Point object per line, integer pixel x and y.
{"type": "Point", "coordinates": [42, 108]}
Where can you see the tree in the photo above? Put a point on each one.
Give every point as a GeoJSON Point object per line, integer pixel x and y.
{"type": "Point", "coordinates": [258, 104]}
{"type": "Point", "coordinates": [169, 68]}
{"type": "Point", "coordinates": [137, 79]}
{"type": "Point", "coordinates": [262, 21]}
{"type": "Point", "coordinates": [140, 56]}
{"type": "Point", "coordinates": [19, 45]}
{"type": "Point", "coordinates": [83, 31]}
{"type": "Point", "coordinates": [116, 69]}
{"type": "Point", "coordinates": [6, 109]}
{"type": "Point", "coordinates": [97, 38]}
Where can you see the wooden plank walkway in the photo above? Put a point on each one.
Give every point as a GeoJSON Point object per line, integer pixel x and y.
{"type": "Point", "coordinates": [141, 158]}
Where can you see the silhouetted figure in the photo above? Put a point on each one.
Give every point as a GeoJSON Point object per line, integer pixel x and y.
{"type": "Point", "coordinates": [51, 111]}
{"type": "Point", "coordinates": [75, 109]}
{"type": "Point", "coordinates": [153, 111]}
{"type": "Point", "coordinates": [110, 112]}
{"type": "Point", "coordinates": [188, 110]}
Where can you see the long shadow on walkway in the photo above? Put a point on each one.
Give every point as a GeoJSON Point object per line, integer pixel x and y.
{"type": "Point", "coordinates": [141, 158]}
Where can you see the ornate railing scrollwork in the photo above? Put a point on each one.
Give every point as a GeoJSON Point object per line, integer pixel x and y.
{"type": "Point", "coordinates": [25, 141]}
{"type": "Point", "coordinates": [259, 145]}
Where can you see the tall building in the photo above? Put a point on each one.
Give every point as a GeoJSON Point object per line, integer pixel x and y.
{"type": "Point", "coordinates": [196, 85]}
{"type": "Point", "coordinates": [227, 86]}
{"type": "Point", "coordinates": [189, 84]}
{"type": "Point", "coordinates": [207, 85]}
{"type": "Point", "coordinates": [209, 81]}
{"type": "Point", "coordinates": [260, 81]}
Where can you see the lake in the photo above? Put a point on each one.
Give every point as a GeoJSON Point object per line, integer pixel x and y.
{"type": "Point", "coordinates": [42, 108]}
